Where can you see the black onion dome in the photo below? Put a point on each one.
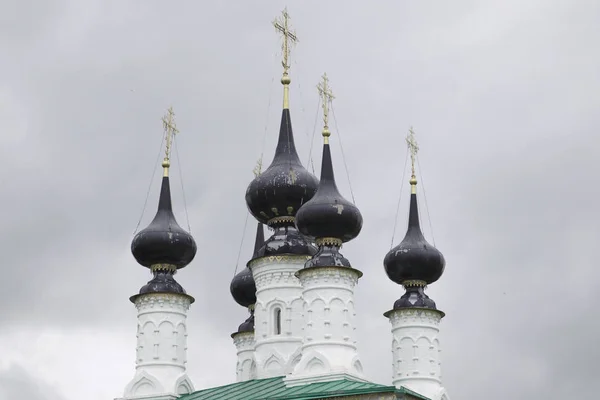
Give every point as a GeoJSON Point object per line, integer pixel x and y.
{"type": "Point", "coordinates": [243, 288]}
{"type": "Point", "coordinates": [286, 240]}
{"type": "Point", "coordinates": [328, 214]}
{"type": "Point", "coordinates": [414, 258]}
{"type": "Point", "coordinates": [164, 241]}
{"type": "Point", "coordinates": [247, 325]}
{"type": "Point", "coordinates": [285, 185]}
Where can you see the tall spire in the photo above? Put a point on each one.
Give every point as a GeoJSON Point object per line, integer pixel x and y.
{"type": "Point", "coordinates": [282, 25]}
{"type": "Point", "coordinates": [414, 264]}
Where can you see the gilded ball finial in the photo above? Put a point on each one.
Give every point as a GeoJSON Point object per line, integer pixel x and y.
{"type": "Point", "coordinates": [285, 79]}
{"type": "Point", "coordinates": [413, 181]}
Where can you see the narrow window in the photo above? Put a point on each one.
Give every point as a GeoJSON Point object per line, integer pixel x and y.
{"type": "Point", "coordinates": [277, 320]}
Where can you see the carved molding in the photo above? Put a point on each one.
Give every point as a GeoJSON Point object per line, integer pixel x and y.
{"type": "Point", "coordinates": [415, 316]}
{"type": "Point", "coordinates": [158, 301]}
{"type": "Point", "coordinates": [316, 277]}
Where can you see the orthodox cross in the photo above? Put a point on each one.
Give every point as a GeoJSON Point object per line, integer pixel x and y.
{"type": "Point", "coordinates": [326, 98]}
{"type": "Point", "coordinates": [413, 148]}
{"type": "Point", "coordinates": [289, 37]}
{"type": "Point", "coordinates": [170, 131]}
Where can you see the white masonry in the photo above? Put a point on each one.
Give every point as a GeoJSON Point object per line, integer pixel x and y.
{"type": "Point", "coordinates": [161, 355]}
{"type": "Point", "coordinates": [278, 327]}
{"type": "Point", "coordinates": [246, 365]}
{"type": "Point", "coordinates": [416, 351]}
{"type": "Point", "coordinates": [329, 349]}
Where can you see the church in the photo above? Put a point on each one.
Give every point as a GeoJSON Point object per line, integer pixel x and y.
{"type": "Point", "coordinates": [299, 340]}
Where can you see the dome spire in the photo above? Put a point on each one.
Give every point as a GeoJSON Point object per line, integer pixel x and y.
{"type": "Point", "coordinates": [328, 216]}
{"type": "Point", "coordinates": [276, 194]}
{"type": "Point", "coordinates": [282, 26]}
{"type": "Point", "coordinates": [164, 246]}
{"type": "Point", "coordinates": [414, 263]}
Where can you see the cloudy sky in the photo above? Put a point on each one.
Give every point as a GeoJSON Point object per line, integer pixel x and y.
{"type": "Point", "coordinates": [503, 96]}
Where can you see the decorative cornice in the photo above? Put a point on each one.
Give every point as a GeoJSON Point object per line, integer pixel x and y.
{"type": "Point", "coordinates": [283, 259]}
{"type": "Point", "coordinates": [414, 283]}
{"type": "Point", "coordinates": [160, 300]}
{"type": "Point", "coordinates": [411, 316]}
{"type": "Point", "coordinates": [316, 276]}
{"type": "Point", "coordinates": [281, 220]}
{"type": "Point", "coordinates": [329, 241]}
{"type": "Point", "coordinates": [163, 267]}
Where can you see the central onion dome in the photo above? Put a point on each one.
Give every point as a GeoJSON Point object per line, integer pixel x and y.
{"type": "Point", "coordinates": [164, 242]}
{"type": "Point", "coordinates": [275, 196]}
{"type": "Point", "coordinates": [328, 217]}
{"type": "Point", "coordinates": [243, 287]}
{"type": "Point", "coordinates": [414, 263]}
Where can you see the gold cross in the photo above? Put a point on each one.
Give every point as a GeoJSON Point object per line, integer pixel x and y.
{"type": "Point", "coordinates": [326, 98]}
{"type": "Point", "coordinates": [413, 148]}
{"type": "Point", "coordinates": [170, 131]}
{"type": "Point", "coordinates": [289, 37]}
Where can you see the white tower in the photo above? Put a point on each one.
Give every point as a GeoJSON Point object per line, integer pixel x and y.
{"type": "Point", "coordinates": [415, 320]}
{"type": "Point", "coordinates": [273, 198]}
{"type": "Point", "coordinates": [243, 290]}
{"type": "Point", "coordinates": [278, 314]}
{"type": "Point", "coordinates": [329, 347]}
{"type": "Point", "coordinates": [244, 343]}
{"type": "Point", "coordinates": [162, 304]}
{"type": "Point", "coordinates": [161, 347]}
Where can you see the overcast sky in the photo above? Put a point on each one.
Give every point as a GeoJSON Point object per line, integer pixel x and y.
{"type": "Point", "coordinates": [504, 99]}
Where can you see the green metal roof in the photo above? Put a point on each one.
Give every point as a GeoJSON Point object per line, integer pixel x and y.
{"type": "Point", "coordinates": [275, 389]}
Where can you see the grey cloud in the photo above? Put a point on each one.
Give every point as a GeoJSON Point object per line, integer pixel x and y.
{"type": "Point", "coordinates": [502, 100]}
{"type": "Point", "coordinates": [16, 382]}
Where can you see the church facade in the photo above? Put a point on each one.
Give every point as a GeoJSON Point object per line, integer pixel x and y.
{"type": "Point", "coordinates": [298, 341]}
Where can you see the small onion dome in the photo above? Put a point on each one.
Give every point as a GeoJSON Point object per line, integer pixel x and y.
{"type": "Point", "coordinates": [243, 288]}
{"type": "Point", "coordinates": [276, 195]}
{"type": "Point", "coordinates": [414, 259]}
{"type": "Point", "coordinates": [328, 214]}
{"type": "Point", "coordinates": [247, 325]}
{"type": "Point", "coordinates": [164, 241]}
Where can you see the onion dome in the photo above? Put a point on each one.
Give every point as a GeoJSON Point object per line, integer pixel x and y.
{"type": "Point", "coordinates": [414, 259]}
{"type": "Point", "coordinates": [275, 196]}
{"type": "Point", "coordinates": [328, 216]}
{"type": "Point", "coordinates": [243, 288]}
{"type": "Point", "coordinates": [414, 263]}
{"type": "Point", "coordinates": [164, 242]}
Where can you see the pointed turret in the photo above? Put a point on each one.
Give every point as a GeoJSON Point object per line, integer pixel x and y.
{"type": "Point", "coordinates": [329, 350]}
{"type": "Point", "coordinates": [414, 264]}
{"type": "Point", "coordinates": [162, 304]}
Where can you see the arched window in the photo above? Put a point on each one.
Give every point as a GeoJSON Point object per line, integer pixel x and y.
{"type": "Point", "coordinates": [277, 320]}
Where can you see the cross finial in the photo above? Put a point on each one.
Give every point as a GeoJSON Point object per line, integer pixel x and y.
{"type": "Point", "coordinates": [413, 148]}
{"type": "Point", "coordinates": [170, 131]}
{"type": "Point", "coordinates": [258, 169]}
{"type": "Point", "coordinates": [282, 26]}
{"type": "Point", "coordinates": [326, 98]}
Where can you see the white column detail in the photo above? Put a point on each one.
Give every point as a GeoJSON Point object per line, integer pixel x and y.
{"type": "Point", "coordinates": [246, 365]}
{"type": "Point", "coordinates": [161, 347]}
{"type": "Point", "coordinates": [416, 351]}
{"type": "Point", "coordinates": [329, 350]}
{"type": "Point", "coordinates": [278, 326]}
